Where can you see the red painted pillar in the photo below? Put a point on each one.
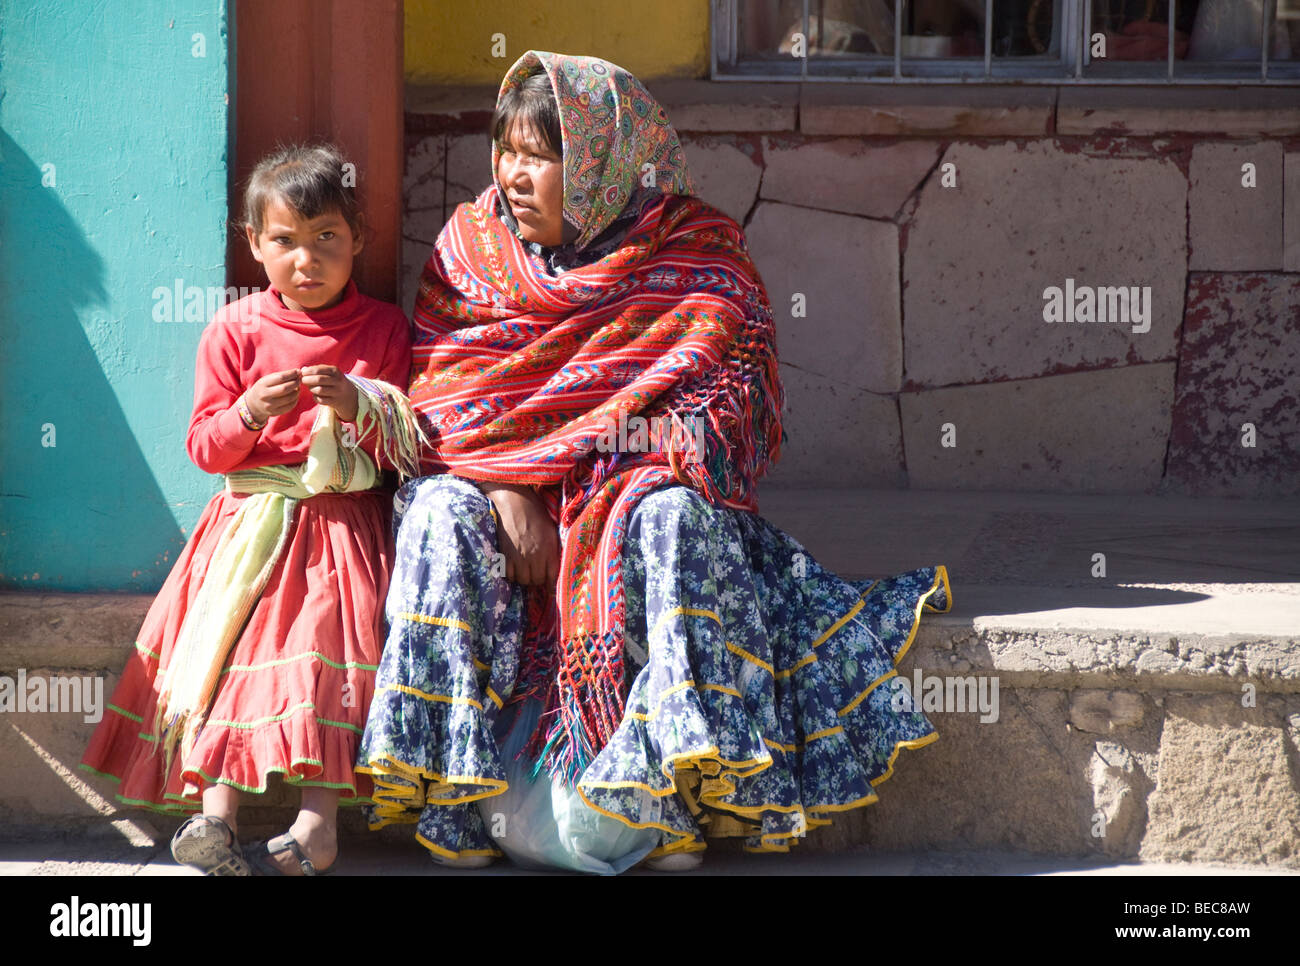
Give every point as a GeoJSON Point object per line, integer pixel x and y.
{"type": "Point", "coordinates": [324, 70]}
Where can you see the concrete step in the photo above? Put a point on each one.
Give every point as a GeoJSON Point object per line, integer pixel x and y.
{"type": "Point", "coordinates": [1151, 713]}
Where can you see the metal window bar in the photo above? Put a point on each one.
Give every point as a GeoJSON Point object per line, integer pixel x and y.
{"type": "Point", "coordinates": [1080, 34]}
{"type": "Point", "coordinates": [1071, 23]}
{"type": "Point", "coordinates": [898, 39]}
{"type": "Point", "coordinates": [988, 39]}
{"type": "Point", "coordinates": [1267, 21]}
{"type": "Point", "coordinates": [1169, 52]}
{"type": "Point", "coordinates": [803, 61]}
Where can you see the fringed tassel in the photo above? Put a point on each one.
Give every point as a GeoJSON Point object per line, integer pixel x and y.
{"type": "Point", "coordinates": [386, 408]}
{"type": "Point", "coordinates": [568, 750]}
{"type": "Point", "coordinates": [170, 733]}
{"type": "Point", "coordinates": [179, 733]}
{"type": "Point", "coordinates": [536, 679]}
{"type": "Point", "coordinates": [589, 706]}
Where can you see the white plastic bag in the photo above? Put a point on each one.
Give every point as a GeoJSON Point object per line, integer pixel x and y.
{"type": "Point", "coordinates": [544, 824]}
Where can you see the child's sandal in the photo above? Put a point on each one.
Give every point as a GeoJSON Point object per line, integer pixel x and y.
{"type": "Point", "coordinates": [260, 852]}
{"type": "Point", "coordinates": [206, 843]}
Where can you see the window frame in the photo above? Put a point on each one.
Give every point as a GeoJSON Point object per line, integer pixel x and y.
{"type": "Point", "coordinates": [1067, 62]}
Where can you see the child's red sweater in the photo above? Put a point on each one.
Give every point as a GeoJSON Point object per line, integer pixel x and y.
{"type": "Point", "coordinates": [257, 336]}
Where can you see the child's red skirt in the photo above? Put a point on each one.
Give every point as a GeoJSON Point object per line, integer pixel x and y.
{"type": "Point", "coordinates": [297, 684]}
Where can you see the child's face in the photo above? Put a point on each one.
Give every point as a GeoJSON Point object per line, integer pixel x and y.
{"type": "Point", "coordinates": [308, 261]}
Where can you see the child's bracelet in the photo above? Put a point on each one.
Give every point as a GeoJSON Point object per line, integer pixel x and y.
{"type": "Point", "coordinates": [246, 415]}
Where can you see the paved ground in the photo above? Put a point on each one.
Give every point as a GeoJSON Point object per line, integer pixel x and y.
{"type": "Point", "coordinates": [105, 855]}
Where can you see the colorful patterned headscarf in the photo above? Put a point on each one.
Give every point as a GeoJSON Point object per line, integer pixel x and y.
{"type": "Point", "coordinates": [616, 138]}
{"type": "Point", "coordinates": [522, 373]}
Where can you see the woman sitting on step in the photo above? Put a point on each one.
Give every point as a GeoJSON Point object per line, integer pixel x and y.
{"type": "Point", "coordinates": [599, 651]}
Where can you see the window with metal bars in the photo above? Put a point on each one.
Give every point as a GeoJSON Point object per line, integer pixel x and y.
{"type": "Point", "coordinates": [1008, 41]}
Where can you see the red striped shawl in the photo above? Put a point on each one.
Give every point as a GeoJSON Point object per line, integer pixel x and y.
{"type": "Point", "coordinates": [521, 374]}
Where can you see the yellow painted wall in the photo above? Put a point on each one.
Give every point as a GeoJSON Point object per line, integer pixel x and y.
{"type": "Point", "coordinates": [450, 41]}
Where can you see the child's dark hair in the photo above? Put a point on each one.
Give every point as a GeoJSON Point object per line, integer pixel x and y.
{"type": "Point", "coordinates": [532, 103]}
{"type": "Point", "coordinates": [307, 178]}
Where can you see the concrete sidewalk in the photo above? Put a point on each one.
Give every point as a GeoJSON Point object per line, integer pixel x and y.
{"type": "Point", "coordinates": [362, 857]}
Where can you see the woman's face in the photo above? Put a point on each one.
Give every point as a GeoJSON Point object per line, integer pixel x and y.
{"type": "Point", "coordinates": [532, 176]}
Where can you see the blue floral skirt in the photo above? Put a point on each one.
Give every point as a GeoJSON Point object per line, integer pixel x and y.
{"type": "Point", "coordinates": [755, 704]}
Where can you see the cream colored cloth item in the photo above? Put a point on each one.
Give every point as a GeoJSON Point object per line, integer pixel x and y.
{"type": "Point", "coordinates": [250, 547]}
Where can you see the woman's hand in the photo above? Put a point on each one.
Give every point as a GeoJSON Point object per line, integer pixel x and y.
{"type": "Point", "coordinates": [330, 387]}
{"type": "Point", "coordinates": [526, 533]}
{"type": "Point", "coordinates": [273, 394]}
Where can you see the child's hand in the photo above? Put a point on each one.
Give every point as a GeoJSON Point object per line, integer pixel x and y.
{"type": "Point", "coordinates": [329, 387]}
{"type": "Point", "coordinates": [273, 394]}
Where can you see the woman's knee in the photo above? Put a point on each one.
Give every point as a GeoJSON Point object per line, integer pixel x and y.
{"type": "Point", "coordinates": [673, 504]}
{"type": "Point", "coordinates": [439, 506]}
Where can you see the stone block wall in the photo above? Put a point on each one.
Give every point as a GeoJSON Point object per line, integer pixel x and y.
{"type": "Point", "coordinates": [910, 252]}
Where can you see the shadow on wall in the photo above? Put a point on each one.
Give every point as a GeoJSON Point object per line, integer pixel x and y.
{"type": "Point", "coordinates": [79, 506]}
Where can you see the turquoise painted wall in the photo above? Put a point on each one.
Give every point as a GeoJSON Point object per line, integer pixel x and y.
{"type": "Point", "coordinates": [113, 120]}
